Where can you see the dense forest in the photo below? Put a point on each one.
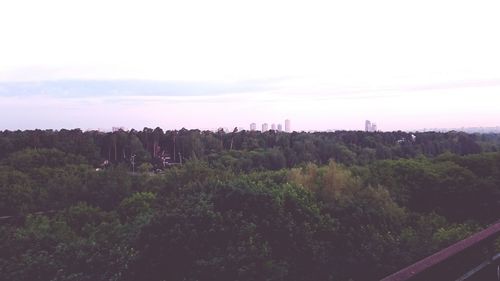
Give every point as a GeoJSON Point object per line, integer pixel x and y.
{"type": "Point", "coordinates": [198, 205]}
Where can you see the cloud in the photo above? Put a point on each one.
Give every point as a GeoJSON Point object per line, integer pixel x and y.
{"type": "Point", "coordinates": [132, 88]}
{"type": "Point", "coordinates": [98, 103]}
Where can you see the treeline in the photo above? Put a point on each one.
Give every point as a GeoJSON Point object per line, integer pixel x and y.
{"type": "Point", "coordinates": [246, 151]}
{"type": "Point", "coordinates": [205, 221]}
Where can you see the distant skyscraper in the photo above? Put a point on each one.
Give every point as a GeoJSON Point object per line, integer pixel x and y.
{"type": "Point", "coordinates": [253, 127]}
{"type": "Point", "coordinates": [368, 126]}
{"type": "Point", "coordinates": [273, 127]}
{"type": "Point", "coordinates": [280, 128]}
{"type": "Point", "coordinates": [288, 127]}
{"type": "Point", "coordinates": [265, 127]}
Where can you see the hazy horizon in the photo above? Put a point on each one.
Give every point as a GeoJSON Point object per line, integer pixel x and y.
{"type": "Point", "coordinates": [198, 64]}
{"type": "Point", "coordinates": [173, 105]}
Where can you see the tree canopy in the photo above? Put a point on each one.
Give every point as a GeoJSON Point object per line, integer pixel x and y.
{"type": "Point", "coordinates": [241, 206]}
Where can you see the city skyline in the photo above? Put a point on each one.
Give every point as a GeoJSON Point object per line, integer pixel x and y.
{"type": "Point", "coordinates": [471, 130]}
{"type": "Point", "coordinates": [274, 127]}
{"type": "Point", "coordinates": [76, 104]}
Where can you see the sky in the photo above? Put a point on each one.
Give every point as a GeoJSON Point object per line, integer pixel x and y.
{"type": "Point", "coordinates": [405, 65]}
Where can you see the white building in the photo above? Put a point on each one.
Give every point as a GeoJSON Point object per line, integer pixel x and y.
{"type": "Point", "coordinates": [265, 127]}
{"type": "Point", "coordinates": [370, 127]}
{"type": "Point", "coordinates": [280, 128]}
{"type": "Point", "coordinates": [288, 126]}
{"type": "Point", "coordinates": [273, 127]}
{"type": "Point", "coordinates": [253, 127]}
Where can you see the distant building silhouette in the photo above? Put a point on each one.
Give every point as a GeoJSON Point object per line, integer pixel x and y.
{"type": "Point", "coordinates": [280, 128]}
{"type": "Point", "coordinates": [253, 127]}
{"type": "Point", "coordinates": [265, 127]}
{"type": "Point", "coordinates": [370, 127]}
{"type": "Point", "coordinates": [116, 129]}
{"type": "Point", "coordinates": [288, 126]}
{"type": "Point", "coordinates": [273, 127]}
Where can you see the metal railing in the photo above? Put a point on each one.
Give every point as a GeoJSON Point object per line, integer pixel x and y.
{"type": "Point", "coordinates": [473, 258]}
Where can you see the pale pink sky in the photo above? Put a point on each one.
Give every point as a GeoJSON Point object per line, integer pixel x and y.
{"type": "Point", "coordinates": [329, 64]}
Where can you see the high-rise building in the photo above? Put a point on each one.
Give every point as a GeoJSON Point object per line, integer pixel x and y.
{"type": "Point", "coordinates": [288, 126]}
{"type": "Point", "coordinates": [280, 128]}
{"type": "Point", "coordinates": [368, 126]}
{"type": "Point", "coordinates": [253, 127]}
{"type": "Point", "coordinates": [265, 127]}
{"type": "Point", "coordinates": [273, 127]}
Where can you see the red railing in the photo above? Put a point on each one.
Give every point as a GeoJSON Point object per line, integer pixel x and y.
{"type": "Point", "coordinates": [469, 259]}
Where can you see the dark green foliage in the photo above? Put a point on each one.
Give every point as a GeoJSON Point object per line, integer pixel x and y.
{"type": "Point", "coordinates": [242, 206]}
{"type": "Point", "coordinates": [137, 204]}
{"type": "Point", "coordinates": [452, 186]}
{"type": "Point", "coordinates": [62, 248]}
{"type": "Point", "coordinates": [243, 151]}
{"type": "Point", "coordinates": [16, 192]}
{"type": "Point", "coordinates": [29, 159]}
{"type": "Point", "coordinates": [235, 231]}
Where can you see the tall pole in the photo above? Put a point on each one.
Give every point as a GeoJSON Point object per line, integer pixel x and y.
{"type": "Point", "coordinates": [175, 134]}
{"type": "Point", "coordinates": [132, 160]}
